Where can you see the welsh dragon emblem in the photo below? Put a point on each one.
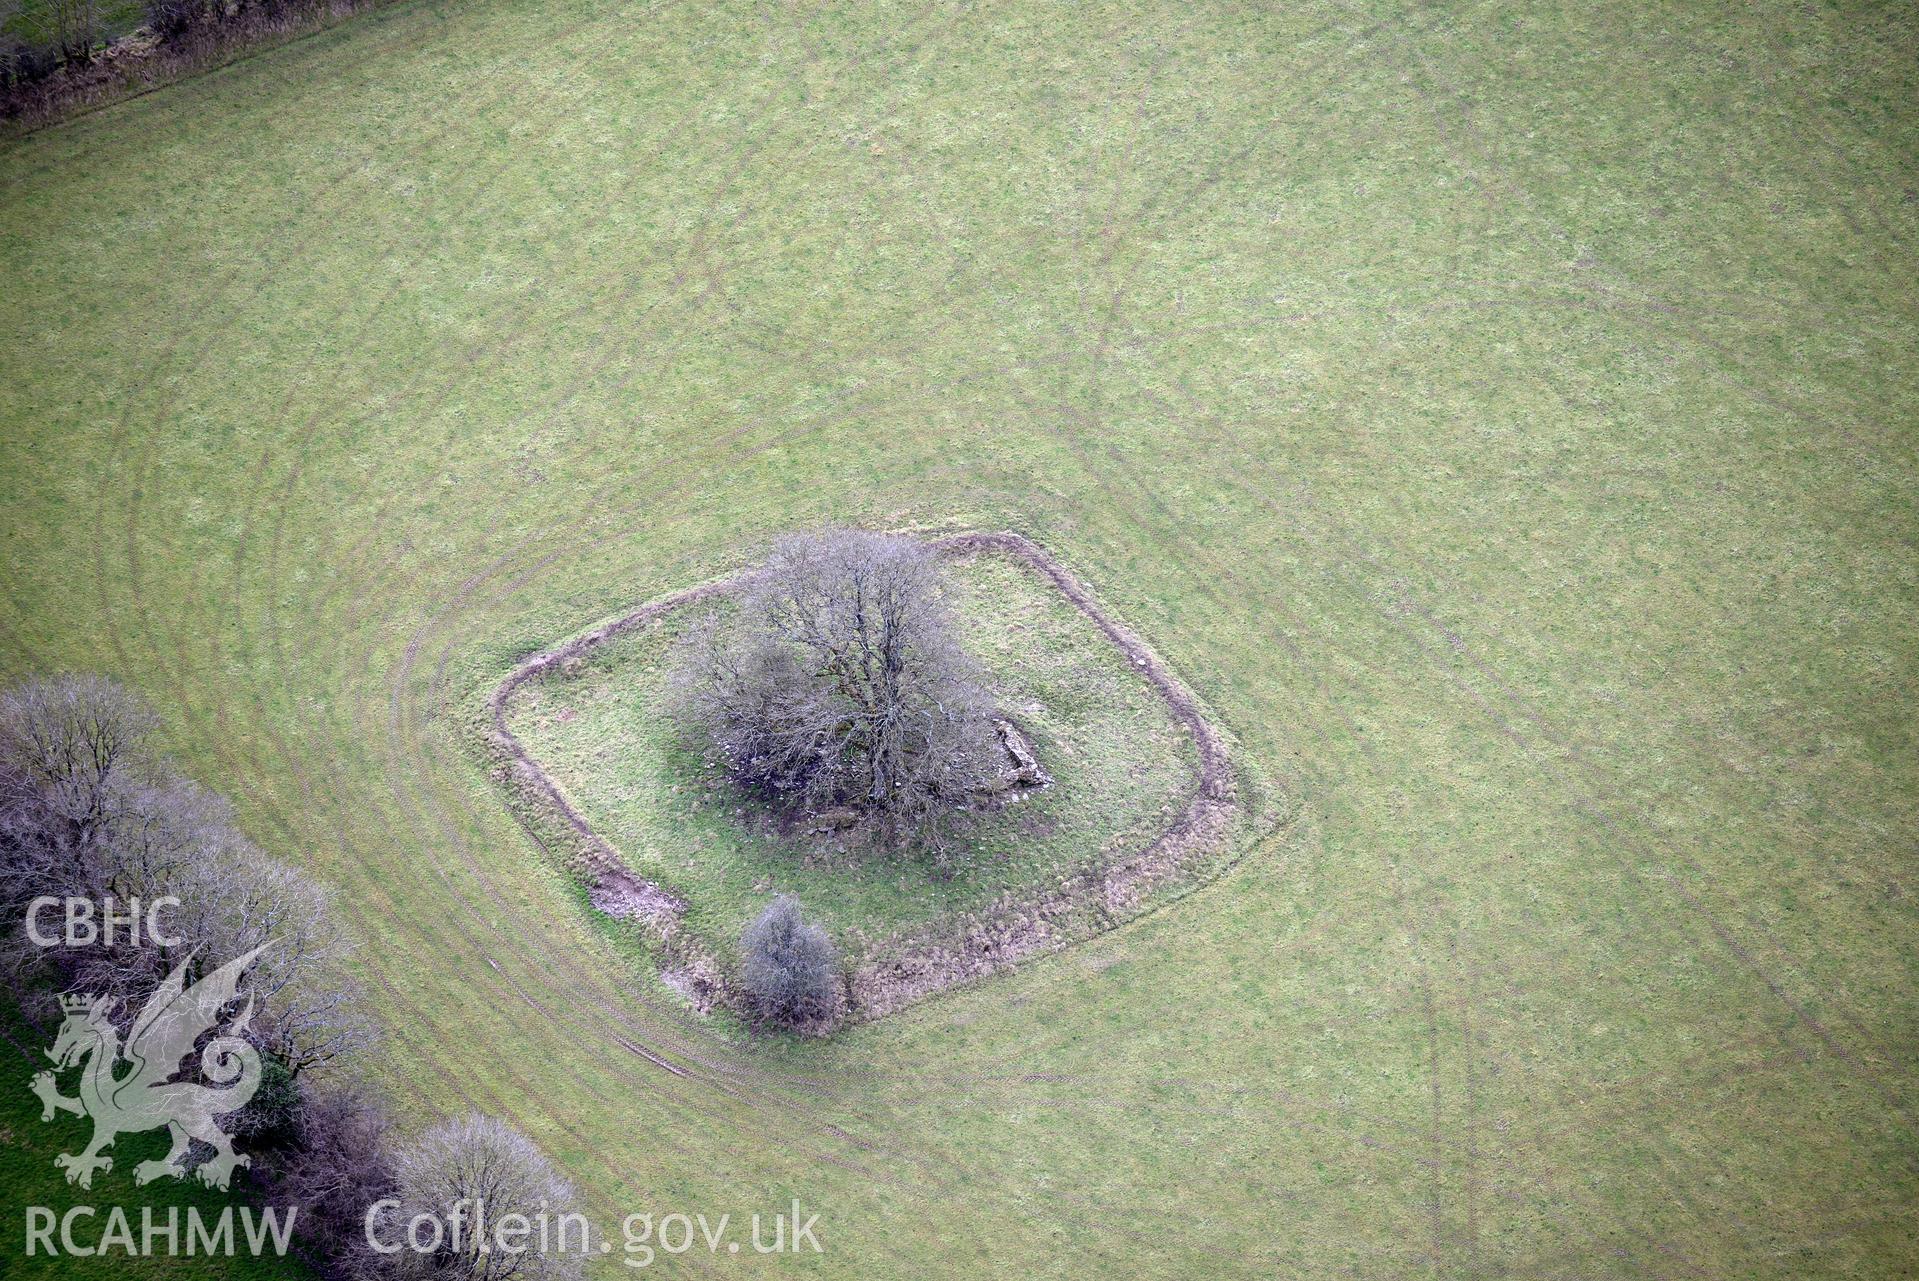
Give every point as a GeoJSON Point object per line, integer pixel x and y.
{"type": "Point", "coordinates": [143, 1096]}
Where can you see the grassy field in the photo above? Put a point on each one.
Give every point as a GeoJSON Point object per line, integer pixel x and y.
{"type": "Point", "coordinates": [1122, 768]}
{"type": "Point", "coordinates": [1502, 415]}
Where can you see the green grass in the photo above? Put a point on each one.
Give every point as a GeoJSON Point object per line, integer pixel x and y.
{"type": "Point", "coordinates": [1122, 768]}
{"type": "Point", "coordinates": [1502, 415]}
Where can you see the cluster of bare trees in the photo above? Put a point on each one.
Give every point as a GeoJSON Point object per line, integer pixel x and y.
{"type": "Point", "coordinates": [360, 1188]}
{"type": "Point", "coordinates": [838, 683]}
{"type": "Point", "coordinates": [91, 810]}
{"type": "Point", "coordinates": [67, 29]}
{"type": "Point", "coordinates": [337, 1163]}
{"type": "Point", "coordinates": [111, 47]}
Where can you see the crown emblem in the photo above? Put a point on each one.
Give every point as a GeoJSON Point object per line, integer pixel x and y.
{"type": "Point", "coordinates": [76, 1003]}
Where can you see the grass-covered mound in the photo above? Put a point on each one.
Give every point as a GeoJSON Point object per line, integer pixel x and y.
{"type": "Point", "coordinates": [1123, 768]}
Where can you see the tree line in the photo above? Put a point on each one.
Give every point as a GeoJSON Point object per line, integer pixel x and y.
{"type": "Point", "coordinates": [58, 55]}
{"type": "Point", "coordinates": [91, 809]}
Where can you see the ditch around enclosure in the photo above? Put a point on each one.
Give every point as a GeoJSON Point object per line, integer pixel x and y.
{"type": "Point", "coordinates": [1145, 800]}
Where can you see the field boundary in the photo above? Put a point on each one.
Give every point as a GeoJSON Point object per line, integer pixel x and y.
{"type": "Point", "coordinates": [1100, 896]}
{"type": "Point", "coordinates": [143, 62]}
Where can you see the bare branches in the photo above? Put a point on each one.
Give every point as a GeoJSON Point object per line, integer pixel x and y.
{"type": "Point", "coordinates": [789, 968]}
{"type": "Point", "coordinates": [308, 1012]}
{"type": "Point", "coordinates": [76, 767]}
{"type": "Point", "coordinates": [89, 810]}
{"type": "Point", "coordinates": [839, 682]}
{"type": "Point", "coordinates": [473, 1163]}
{"type": "Point", "coordinates": [339, 1163]}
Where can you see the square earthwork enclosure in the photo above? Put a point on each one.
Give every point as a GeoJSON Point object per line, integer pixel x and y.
{"type": "Point", "coordinates": [1145, 799]}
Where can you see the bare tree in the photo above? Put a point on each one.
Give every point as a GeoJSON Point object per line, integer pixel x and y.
{"type": "Point", "coordinates": [76, 762]}
{"type": "Point", "coordinates": [339, 1164]}
{"type": "Point", "coordinates": [72, 26]}
{"type": "Point", "coordinates": [840, 682]}
{"type": "Point", "coordinates": [307, 1008]}
{"type": "Point", "coordinates": [479, 1161]}
{"type": "Point", "coordinates": [788, 966]}
{"type": "Point", "coordinates": [89, 810]}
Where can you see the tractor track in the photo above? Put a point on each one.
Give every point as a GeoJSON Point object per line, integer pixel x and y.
{"type": "Point", "coordinates": [680, 1051]}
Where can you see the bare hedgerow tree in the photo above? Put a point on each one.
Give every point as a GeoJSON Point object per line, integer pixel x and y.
{"type": "Point", "coordinates": [77, 769]}
{"type": "Point", "coordinates": [89, 809]}
{"type": "Point", "coordinates": [73, 27]}
{"type": "Point", "coordinates": [840, 682]}
{"type": "Point", "coordinates": [308, 1011]}
{"type": "Point", "coordinates": [339, 1164]}
{"type": "Point", "coordinates": [480, 1160]}
{"type": "Point", "coordinates": [788, 967]}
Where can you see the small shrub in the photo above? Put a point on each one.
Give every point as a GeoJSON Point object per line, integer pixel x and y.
{"type": "Point", "coordinates": [271, 1118]}
{"type": "Point", "coordinates": [172, 17]}
{"type": "Point", "coordinates": [27, 64]}
{"type": "Point", "coordinates": [789, 969]}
